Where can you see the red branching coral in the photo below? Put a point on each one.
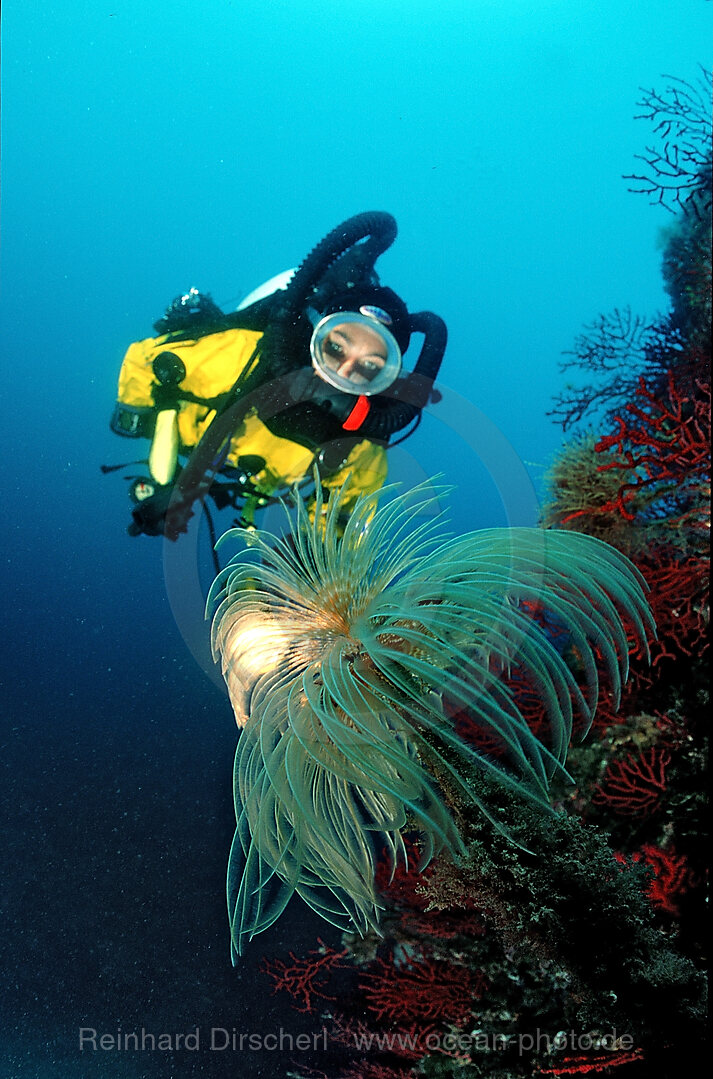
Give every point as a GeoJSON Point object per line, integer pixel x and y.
{"type": "Point", "coordinates": [584, 1063]}
{"type": "Point", "coordinates": [443, 924]}
{"type": "Point", "coordinates": [609, 714]}
{"type": "Point", "coordinates": [300, 977]}
{"type": "Point", "coordinates": [530, 703]}
{"type": "Point", "coordinates": [482, 738]}
{"type": "Point", "coordinates": [485, 739]}
{"type": "Point", "coordinates": [671, 878]}
{"type": "Point", "coordinates": [633, 787]}
{"type": "Point", "coordinates": [661, 448]}
{"type": "Point", "coordinates": [398, 883]}
{"type": "Point", "coordinates": [680, 605]}
{"type": "Point", "coordinates": [663, 442]}
{"type": "Point", "coordinates": [528, 699]}
{"type": "Point", "coordinates": [426, 989]}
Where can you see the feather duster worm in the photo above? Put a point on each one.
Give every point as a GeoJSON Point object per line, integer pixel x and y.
{"type": "Point", "coordinates": [339, 650]}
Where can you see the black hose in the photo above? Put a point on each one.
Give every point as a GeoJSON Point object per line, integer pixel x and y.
{"type": "Point", "coordinates": [379, 226]}
{"type": "Point", "coordinates": [392, 411]}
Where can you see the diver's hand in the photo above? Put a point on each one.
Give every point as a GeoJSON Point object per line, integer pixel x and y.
{"type": "Point", "coordinates": [149, 516]}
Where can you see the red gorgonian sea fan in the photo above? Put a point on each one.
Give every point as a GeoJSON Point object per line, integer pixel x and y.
{"type": "Point", "coordinates": [591, 1063]}
{"type": "Point", "coordinates": [304, 978]}
{"type": "Point", "coordinates": [671, 878]}
{"type": "Point", "coordinates": [679, 598]}
{"type": "Point", "coordinates": [664, 444]}
{"type": "Point", "coordinates": [425, 989]}
{"type": "Point", "coordinates": [633, 787]}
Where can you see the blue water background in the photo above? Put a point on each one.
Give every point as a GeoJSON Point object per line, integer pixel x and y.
{"type": "Point", "coordinates": [151, 146]}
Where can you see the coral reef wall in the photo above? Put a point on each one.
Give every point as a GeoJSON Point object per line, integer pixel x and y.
{"type": "Point", "coordinates": [581, 953]}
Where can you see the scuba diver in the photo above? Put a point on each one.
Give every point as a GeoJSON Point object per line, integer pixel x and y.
{"type": "Point", "coordinates": [306, 373]}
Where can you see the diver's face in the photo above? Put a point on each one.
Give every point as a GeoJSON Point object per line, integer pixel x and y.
{"type": "Point", "coordinates": [355, 352]}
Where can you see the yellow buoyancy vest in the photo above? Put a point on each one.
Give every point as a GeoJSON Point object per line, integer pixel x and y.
{"type": "Point", "coordinates": [213, 363]}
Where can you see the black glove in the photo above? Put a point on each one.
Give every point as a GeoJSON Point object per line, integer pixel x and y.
{"type": "Point", "coordinates": [149, 516]}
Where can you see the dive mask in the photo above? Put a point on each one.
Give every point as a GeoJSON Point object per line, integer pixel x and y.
{"type": "Point", "coordinates": [354, 352]}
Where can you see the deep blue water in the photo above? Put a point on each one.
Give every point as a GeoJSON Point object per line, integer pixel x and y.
{"type": "Point", "coordinates": [152, 146]}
